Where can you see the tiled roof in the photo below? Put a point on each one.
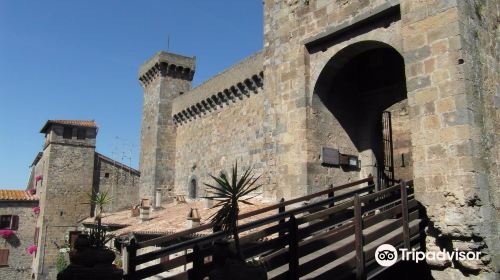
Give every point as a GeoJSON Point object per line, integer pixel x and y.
{"type": "Point", "coordinates": [172, 218]}
{"type": "Point", "coordinates": [17, 195]}
{"type": "Point", "coordinates": [84, 123]}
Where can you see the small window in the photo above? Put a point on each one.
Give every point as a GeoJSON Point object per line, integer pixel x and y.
{"type": "Point", "coordinates": [106, 175]}
{"type": "Point", "coordinates": [9, 222]}
{"type": "Point", "coordinates": [4, 257]}
{"type": "Point", "coordinates": [68, 133]}
{"type": "Point", "coordinates": [80, 133]}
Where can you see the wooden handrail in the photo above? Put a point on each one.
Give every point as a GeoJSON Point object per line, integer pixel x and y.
{"type": "Point", "coordinates": [163, 239]}
{"type": "Point", "coordinates": [353, 223]}
{"type": "Point", "coordinates": [274, 218]}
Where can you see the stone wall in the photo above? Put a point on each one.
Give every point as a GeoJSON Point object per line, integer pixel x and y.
{"type": "Point", "coordinates": [213, 142]}
{"type": "Point", "coordinates": [446, 88]}
{"type": "Point", "coordinates": [20, 261]}
{"type": "Point", "coordinates": [479, 25]}
{"type": "Point", "coordinates": [119, 181]}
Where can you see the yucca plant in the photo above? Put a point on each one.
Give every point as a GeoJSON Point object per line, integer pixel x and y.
{"type": "Point", "coordinates": [229, 193]}
{"type": "Point", "coordinates": [99, 199]}
{"type": "Point", "coordinates": [97, 234]}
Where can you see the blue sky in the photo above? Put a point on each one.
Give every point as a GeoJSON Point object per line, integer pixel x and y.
{"type": "Point", "coordinates": [79, 60]}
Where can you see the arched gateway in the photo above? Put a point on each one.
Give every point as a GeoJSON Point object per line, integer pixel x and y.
{"type": "Point", "coordinates": [359, 108]}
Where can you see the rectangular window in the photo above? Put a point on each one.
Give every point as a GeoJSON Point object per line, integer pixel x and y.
{"type": "Point", "coordinates": [4, 257]}
{"type": "Point", "coordinates": [9, 222]}
{"type": "Point", "coordinates": [80, 133]}
{"type": "Point", "coordinates": [68, 133]}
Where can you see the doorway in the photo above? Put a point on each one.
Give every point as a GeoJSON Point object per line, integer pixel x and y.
{"type": "Point", "coordinates": [361, 108]}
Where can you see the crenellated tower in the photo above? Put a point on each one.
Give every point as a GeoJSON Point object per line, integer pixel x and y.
{"type": "Point", "coordinates": [163, 77]}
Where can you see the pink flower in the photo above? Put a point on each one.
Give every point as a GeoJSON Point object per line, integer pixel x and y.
{"type": "Point", "coordinates": [31, 249]}
{"type": "Point", "coordinates": [36, 209]}
{"type": "Point", "coordinates": [5, 233]}
{"type": "Point", "coordinates": [38, 178]}
{"type": "Point", "coordinates": [32, 191]}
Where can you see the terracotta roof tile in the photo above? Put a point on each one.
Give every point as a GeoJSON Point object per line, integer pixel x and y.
{"type": "Point", "coordinates": [84, 123]}
{"type": "Point", "coordinates": [172, 218]}
{"type": "Point", "coordinates": [17, 195]}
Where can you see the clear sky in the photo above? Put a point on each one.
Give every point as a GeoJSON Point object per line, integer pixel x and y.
{"type": "Point", "coordinates": [79, 60]}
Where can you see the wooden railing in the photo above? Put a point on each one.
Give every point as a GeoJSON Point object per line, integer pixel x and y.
{"type": "Point", "coordinates": [299, 233]}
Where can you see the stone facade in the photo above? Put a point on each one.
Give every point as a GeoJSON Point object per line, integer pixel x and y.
{"type": "Point", "coordinates": [330, 69]}
{"type": "Point", "coordinates": [120, 181]}
{"type": "Point", "coordinates": [20, 261]}
{"type": "Point", "coordinates": [228, 125]}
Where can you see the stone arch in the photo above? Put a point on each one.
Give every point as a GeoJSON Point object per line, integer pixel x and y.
{"type": "Point", "coordinates": [193, 187]}
{"type": "Point", "coordinates": [355, 86]}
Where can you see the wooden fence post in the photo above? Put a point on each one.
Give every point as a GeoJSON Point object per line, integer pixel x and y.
{"type": "Point", "coordinates": [281, 209]}
{"type": "Point", "coordinates": [358, 239]}
{"type": "Point", "coordinates": [331, 195]}
{"type": "Point", "coordinates": [404, 211]}
{"type": "Point", "coordinates": [293, 250]}
{"type": "Point", "coordinates": [371, 182]}
{"type": "Point", "coordinates": [129, 255]}
{"type": "Point", "coordinates": [197, 263]}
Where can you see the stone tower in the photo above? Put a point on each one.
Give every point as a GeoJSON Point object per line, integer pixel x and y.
{"type": "Point", "coordinates": [163, 77]}
{"type": "Point", "coordinates": [66, 169]}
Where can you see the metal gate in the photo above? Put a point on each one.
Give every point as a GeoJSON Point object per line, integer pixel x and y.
{"type": "Point", "coordinates": [386, 171]}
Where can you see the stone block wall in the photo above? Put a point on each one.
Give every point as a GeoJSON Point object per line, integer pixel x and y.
{"type": "Point", "coordinates": [119, 181]}
{"type": "Point", "coordinates": [20, 261]}
{"type": "Point", "coordinates": [448, 88]}
{"type": "Point", "coordinates": [213, 142]}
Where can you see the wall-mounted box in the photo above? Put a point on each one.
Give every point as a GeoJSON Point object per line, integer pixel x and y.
{"type": "Point", "coordinates": [330, 156]}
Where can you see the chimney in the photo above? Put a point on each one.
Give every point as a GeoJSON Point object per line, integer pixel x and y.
{"type": "Point", "coordinates": [193, 218]}
{"type": "Point", "coordinates": [158, 199]}
{"type": "Point", "coordinates": [144, 210]}
{"type": "Point", "coordinates": [134, 211]}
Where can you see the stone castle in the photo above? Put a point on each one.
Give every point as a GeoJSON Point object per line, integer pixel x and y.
{"type": "Point", "coordinates": [341, 89]}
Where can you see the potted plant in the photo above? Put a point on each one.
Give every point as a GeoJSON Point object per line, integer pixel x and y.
{"type": "Point", "coordinates": [229, 193]}
{"type": "Point", "coordinates": [90, 254]}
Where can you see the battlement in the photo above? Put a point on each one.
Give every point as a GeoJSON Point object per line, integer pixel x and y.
{"type": "Point", "coordinates": [167, 64]}
{"type": "Point", "coordinates": [231, 85]}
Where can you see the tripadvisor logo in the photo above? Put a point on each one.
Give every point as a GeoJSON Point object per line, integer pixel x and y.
{"type": "Point", "coordinates": [387, 255]}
